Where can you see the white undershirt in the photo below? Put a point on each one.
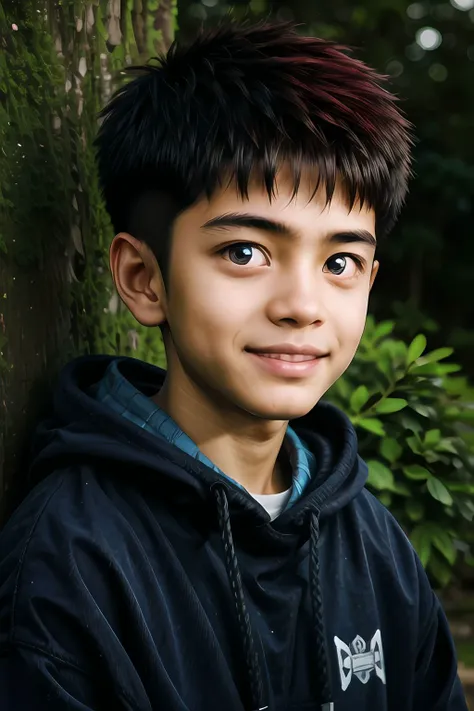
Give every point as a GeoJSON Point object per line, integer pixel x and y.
{"type": "Point", "coordinates": [273, 503]}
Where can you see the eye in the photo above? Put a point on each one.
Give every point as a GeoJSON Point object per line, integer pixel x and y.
{"type": "Point", "coordinates": [245, 254]}
{"type": "Point", "coordinates": [344, 265]}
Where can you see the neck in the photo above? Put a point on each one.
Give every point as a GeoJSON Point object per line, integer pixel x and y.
{"type": "Point", "coordinates": [244, 447]}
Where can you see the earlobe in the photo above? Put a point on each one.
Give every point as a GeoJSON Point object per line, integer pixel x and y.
{"type": "Point", "coordinates": [138, 280]}
{"type": "Point", "coordinates": [375, 269]}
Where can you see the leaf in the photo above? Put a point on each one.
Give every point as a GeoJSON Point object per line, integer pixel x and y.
{"type": "Point", "coordinates": [401, 489]}
{"type": "Point", "coordinates": [440, 570]}
{"type": "Point", "coordinates": [414, 444]}
{"type": "Point", "coordinates": [380, 476]}
{"type": "Point", "coordinates": [389, 405]}
{"type": "Point", "coordinates": [383, 329]}
{"type": "Point", "coordinates": [371, 424]}
{"type": "Point", "coordinates": [421, 540]}
{"type": "Point", "coordinates": [384, 364]}
{"type": "Point", "coordinates": [444, 543]}
{"type": "Point", "coordinates": [358, 398]}
{"type": "Point", "coordinates": [438, 491]}
{"type": "Point", "coordinates": [466, 511]}
{"type": "Point", "coordinates": [410, 423]}
{"type": "Point", "coordinates": [432, 457]}
{"type": "Point", "coordinates": [432, 437]}
{"type": "Point", "coordinates": [416, 472]}
{"type": "Point", "coordinates": [424, 410]}
{"type": "Point", "coordinates": [436, 369]}
{"type": "Point", "coordinates": [415, 509]}
{"type": "Point", "coordinates": [445, 368]}
{"type": "Point", "coordinates": [435, 356]}
{"type": "Point", "coordinates": [416, 348]}
{"type": "Point", "coordinates": [446, 445]}
{"type": "Point", "coordinates": [463, 488]}
{"type": "Point", "coordinates": [390, 449]}
{"type": "Point", "coordinates": [343, 387]}
{"type": "Point", "coordinates": [385, 498]}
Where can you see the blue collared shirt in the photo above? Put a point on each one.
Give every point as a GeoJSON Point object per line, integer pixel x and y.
{"type": "Point", "coordinates": [125, 399]}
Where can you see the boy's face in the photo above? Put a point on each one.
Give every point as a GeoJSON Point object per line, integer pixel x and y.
{"type": "Point", "coordinates": [247, 276]}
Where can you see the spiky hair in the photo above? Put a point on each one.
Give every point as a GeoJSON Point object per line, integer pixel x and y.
{"type": "Point", "coordinates": [241, 100]}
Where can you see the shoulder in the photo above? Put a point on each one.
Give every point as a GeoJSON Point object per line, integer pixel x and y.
{"type": "Point", "coordinates": [393, 561]}
{"type": "Point", "coordinates": [26, 523]}
{"type": "Point", "coordinates": [55, 542]}
{"type": "Point", "coordinates": [381, 532]}
{"type": "Point", "coordinates": [374, 516]}
{"type": "Point", "coordinates": [18, 536]}
{"type": "Point", "coordinates": [375, 564]}
{"type": "Point", "coordinates": [68, 499]}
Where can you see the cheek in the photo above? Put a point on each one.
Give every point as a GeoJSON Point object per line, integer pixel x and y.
{"type": "Point", "coordinates": [202, 317]}
{"type": "Point", "coordinates": [350, 322]}
{"type": "Point", "coordinates": [208, 301]}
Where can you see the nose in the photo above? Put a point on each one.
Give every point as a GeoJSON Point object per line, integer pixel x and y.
{"type": "Point", "coordinates": [299, 299]}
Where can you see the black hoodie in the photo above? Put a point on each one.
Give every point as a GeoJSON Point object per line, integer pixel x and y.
{"type": "Point", "coordinates": [134, 577]}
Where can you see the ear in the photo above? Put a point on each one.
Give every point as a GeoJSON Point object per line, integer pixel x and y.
{"type": "Point", "coordinates": [375, 269]}
{"type": "Point", "coordinates": [138, 279]}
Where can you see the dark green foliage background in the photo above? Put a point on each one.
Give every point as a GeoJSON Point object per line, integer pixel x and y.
{"type": "Point", "coordinates": [427, 275]}
{"type": "Point", "coordinates": [412, 408]}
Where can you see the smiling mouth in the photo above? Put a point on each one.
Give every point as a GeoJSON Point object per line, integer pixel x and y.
{"type": "Point", "coordinates": [287, 360]}
{"type": "Point", "coordinates": [293, 358]}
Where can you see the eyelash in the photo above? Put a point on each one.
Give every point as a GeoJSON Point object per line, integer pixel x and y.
{"type": "Point", "coordinates": [357, 260]}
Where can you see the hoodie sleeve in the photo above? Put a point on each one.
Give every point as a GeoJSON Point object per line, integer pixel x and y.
{"type": "Point", "coordinates": [437, 684]}
{"type": "Point", "coordinates": [31, 679]}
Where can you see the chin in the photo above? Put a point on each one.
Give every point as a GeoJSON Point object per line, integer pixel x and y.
{"type": "Point", "coordinates": [282, 409]}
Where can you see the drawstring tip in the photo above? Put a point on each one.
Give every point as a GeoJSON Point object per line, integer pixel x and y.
{"type": "Point", "coordinates": [329, 706]}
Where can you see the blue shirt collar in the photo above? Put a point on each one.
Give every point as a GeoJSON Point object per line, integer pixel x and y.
{"type": "Point", "coordinates": [125, 399]}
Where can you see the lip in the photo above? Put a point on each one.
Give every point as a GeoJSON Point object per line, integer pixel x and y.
{"type": "Point", "coordinates": [289, 349]}
{"type": "Point", "coordinates": [287, 368]}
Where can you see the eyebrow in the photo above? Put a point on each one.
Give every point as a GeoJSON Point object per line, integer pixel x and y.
{"type": "Point", "coordinates": [275, 227]}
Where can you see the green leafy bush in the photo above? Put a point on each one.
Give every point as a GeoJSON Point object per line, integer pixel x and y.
{"type": "Point", "coordinates": [415, 421]}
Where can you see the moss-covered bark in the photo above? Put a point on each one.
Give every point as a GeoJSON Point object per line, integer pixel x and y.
{"type": "Point", "coordinates": [59, 61]}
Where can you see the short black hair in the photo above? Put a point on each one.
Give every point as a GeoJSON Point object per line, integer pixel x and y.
{"type": "Point", "coordinates": [242, 98]}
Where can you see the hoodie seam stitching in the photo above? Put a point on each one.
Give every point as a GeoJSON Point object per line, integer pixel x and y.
{"type": "Point", "coordinates": [71, 664]}
{"type": "Point", "coordinates": [23, 557]}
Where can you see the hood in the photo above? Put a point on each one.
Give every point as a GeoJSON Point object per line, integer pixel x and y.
{"type": "Point", "coordinates": [82, 428]}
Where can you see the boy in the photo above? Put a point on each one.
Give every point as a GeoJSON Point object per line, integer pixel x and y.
{"type": "Point", "coordinates": [185, 549]}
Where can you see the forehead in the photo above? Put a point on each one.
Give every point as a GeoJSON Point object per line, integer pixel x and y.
{"type": "Point", "coordinates": [305, 211]}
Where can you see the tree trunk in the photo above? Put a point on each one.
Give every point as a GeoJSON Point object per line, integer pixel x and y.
{"type": "Point", "coordinates": [58, 65]}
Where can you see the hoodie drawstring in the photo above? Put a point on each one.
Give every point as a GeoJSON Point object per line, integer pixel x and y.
{"type": "Point", "coordinates": [317, 612]}
{"type": "Point", "coordinates": [233, 573]}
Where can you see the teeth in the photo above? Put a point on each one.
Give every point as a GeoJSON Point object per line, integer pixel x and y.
{"type": "Point", "coordinates": [295, 358]}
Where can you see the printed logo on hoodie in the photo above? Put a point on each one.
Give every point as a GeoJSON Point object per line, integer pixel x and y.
{"type": "Point", "coordinates": [359, 661]}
